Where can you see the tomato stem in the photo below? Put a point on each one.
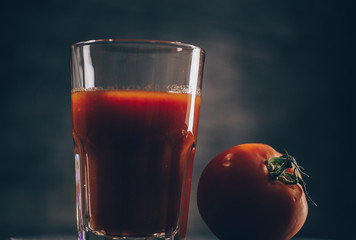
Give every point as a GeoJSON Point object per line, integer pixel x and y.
{"type": "Point", "coordinates": [286, 169]}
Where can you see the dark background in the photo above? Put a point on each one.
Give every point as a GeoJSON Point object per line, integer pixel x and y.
{"type": "Point", "coordinates": [278, 72]}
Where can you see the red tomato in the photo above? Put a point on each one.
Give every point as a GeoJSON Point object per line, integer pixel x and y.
{"type": "Point", "coordinates": [250, 191]}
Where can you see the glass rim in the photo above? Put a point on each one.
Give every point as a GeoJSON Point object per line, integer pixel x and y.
{"type": "Point", "coordinates": [156, 42]}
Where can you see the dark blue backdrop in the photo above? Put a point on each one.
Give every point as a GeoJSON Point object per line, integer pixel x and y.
{"type": "Point", "coordinates": [278, 72]}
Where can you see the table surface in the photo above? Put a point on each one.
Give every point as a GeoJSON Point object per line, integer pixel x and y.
{"type": "Point", "coordinates": [192, 238]}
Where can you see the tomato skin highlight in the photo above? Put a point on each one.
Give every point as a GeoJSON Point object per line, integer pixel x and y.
{"type": "Point", "coordinates": [238, 199]}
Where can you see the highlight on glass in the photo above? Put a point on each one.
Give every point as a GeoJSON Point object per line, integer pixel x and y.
{"type": "Point", "coordinates": [135, 113]}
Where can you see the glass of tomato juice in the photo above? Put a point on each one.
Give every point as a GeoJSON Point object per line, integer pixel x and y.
{"type": "Point", "coordinates": [135, 112]}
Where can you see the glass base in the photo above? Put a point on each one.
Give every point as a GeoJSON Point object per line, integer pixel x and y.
{"type": "Point", "coordinates": [84, 235]}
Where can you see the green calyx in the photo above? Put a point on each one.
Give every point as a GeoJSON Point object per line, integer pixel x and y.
{"type": "Point", "coordinates": [286, 169]}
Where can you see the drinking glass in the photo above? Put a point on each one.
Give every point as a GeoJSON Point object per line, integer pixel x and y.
{"type": "Point", "coordinates": [135, 112]}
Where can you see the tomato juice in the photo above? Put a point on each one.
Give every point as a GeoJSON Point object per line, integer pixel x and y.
{"type": "Point", "coordinates": [136, 150]}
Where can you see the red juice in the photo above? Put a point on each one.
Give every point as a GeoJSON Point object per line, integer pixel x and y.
{"type": "Point", "coordinates": [136, 150]}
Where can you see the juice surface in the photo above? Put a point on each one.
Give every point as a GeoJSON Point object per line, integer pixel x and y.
{"type": "Point", "coordinates": [135, 148]}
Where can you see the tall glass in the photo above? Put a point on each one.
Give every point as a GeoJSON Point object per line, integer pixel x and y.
{"type": "Point", "coordinates": [135, 112]}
